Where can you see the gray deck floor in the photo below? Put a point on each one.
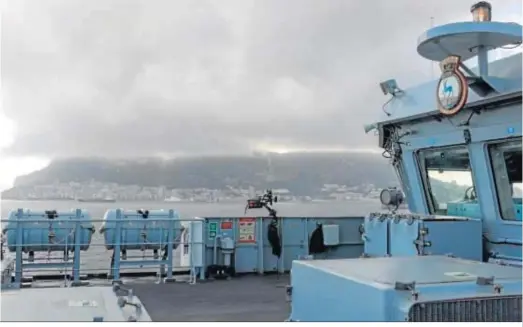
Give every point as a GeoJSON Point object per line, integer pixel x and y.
{"type": "Point", "coordinates": [245, 298]}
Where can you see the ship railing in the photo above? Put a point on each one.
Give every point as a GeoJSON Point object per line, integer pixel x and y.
{"type": "Point", "coordinates": [59, 251]}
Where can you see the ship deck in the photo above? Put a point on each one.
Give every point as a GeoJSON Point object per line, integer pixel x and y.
{"type": "Point", "coordinates": [244, 298]}
{"type": "Point", "coordinates": [249, 298]}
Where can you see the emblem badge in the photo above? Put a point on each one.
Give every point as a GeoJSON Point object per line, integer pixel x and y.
{"type": "Point", "coordinates": [452, 92]}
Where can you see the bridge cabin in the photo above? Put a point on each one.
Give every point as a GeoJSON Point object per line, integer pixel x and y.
{"type": "Point", "coordinates": [455, 142]}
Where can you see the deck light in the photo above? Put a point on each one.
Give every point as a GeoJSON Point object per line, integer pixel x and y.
{"type": "Point", "coordinates": [481, 12]}
{"type": "Point", "coordinates": [391, 197]}
{"type": "Point", "coordinates": [389, 87]}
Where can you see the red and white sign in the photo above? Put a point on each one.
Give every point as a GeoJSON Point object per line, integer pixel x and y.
{"type": "Point", "coordinates": [247, 230]}
{"type": "Point", "coordinates": [226, 225]}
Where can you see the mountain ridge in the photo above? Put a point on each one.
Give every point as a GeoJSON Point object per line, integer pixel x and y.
{"type": "Point", "coordinates": [301, 172]}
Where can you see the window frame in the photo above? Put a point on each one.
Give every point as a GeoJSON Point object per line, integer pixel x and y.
{"type": "Point", "coordinates": [494, 179]}
{"type": "Point", "coordinates": [422, 171]}
{"type": "Point", "coordinates": [399, 168]}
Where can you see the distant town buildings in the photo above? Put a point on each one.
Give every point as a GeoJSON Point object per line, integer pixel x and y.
{"type": "Point", "coordinates": [113, 191]}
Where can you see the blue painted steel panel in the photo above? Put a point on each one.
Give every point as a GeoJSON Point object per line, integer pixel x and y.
{"type": "Point", "coordinates": [376, 235]}
{"type": "Point", "coordinates": [42, 232]}
{"type": "Point", "coordinates": [403, 235]}
{"type": "Point", "coordinates": [255, 255]}
{"type": "Point", "coordinates": [436, 235]}
{"type": "Point", "coordinates": [294, 235]}
{"type": "Point", "coordinates": [319, 295]}
{"type": "Point", "coordinates": [472, 209]}
{"type": "Point", "coordinates": [387, 234]}
{"type": "Point", "coordinates": [365, 289]}
{"type": "Point", "coordinates": [464, 209]}
{"type": "Point", "coordinates": [518, 208]}
{"type": "Point", "coordinates": [461, 238]}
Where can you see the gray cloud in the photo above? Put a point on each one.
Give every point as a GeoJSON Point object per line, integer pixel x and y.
{"type": "Point", "coordinates": [128, 78]}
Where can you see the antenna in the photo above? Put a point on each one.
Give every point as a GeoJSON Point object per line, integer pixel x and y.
{"type": "Point", "coordinates": [431, 62]}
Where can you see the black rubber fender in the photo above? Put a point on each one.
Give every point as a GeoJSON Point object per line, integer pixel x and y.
{"type": "Point", "coordinates": [274, 239]}
{"type": "Point", "coordinates": [316, 244]}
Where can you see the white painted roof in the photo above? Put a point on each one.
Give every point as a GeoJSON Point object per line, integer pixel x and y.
{"type": "Point", "coordinates": [420, 100]}
{"type": "Point", "coordinates": [71, 304]}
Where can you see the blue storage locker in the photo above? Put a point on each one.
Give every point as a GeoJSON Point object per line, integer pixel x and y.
{"type": "Point", "coordinates": [399, 289]}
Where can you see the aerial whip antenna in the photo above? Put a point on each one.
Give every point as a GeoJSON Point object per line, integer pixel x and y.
{"type": "Point", "coordinates": [431, 62]}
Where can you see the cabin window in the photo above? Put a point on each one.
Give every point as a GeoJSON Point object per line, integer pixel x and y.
{"type": "Point", "coordinates": [447, 177]}
{"type": "Point", "coordinates": [506, 166]}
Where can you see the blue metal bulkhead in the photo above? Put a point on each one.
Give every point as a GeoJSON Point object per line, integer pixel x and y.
{"type": "Point", "coordinates": [437, 235]}
{"type": "Point", "coordinates": [409, 235]}
{"type": "Point", "coordinates": [253, 253]}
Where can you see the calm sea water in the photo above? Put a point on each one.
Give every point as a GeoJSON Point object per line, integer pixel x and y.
{"type": "Point", "coordinates": [186, 210]}
{"type": "Point", "coordinates": [97, 258]}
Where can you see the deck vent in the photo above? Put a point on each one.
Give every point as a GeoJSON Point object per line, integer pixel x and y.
{"type": "Point", "coordinates": [498, 309]}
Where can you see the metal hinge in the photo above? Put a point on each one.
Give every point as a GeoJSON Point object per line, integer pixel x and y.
{"type": "Point", "coordinates": [485, 280]}
{"type": "Point", "coordinates": [400, 286]}
{"type": "Point", "coordinates": [422, 243]}
{"type": "Point", "coordinates": [466, 136]}
{"type": "Point", "coordinates": [288, 293]}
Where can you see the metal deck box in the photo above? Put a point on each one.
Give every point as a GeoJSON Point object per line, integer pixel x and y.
{"type": "Point", "coordinates": [415, 288]}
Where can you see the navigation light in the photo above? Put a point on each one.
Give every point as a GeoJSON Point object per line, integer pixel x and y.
{"type": "Point", "coordinates": [481, 12]}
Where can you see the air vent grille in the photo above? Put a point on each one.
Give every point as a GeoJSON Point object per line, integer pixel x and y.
{"type": "Point", "coordinates": [498, 309]}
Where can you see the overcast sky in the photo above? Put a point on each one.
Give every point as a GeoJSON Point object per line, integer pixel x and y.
{"type": "Point", "coordinates": [159, 77]}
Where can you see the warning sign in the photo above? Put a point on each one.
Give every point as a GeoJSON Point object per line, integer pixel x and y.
{"type": "Point", "coordinates": [247, 230]}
